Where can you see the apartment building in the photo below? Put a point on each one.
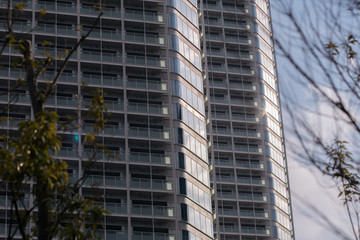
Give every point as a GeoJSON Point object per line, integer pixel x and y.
{"type": "Point", "coordinates": [194, 123]}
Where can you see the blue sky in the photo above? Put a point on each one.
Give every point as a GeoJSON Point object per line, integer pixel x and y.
{"type": "Point", "coordinates": [311, 191]}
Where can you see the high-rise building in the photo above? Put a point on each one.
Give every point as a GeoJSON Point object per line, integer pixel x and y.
{"type": "Point", "coordinates": [192, 94]}
{"type": "Point", "coordinates": [249, 173]}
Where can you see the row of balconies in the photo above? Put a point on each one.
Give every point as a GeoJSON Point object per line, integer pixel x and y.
{"type": "Point", "coordinates": [243, 213]}
{"type": "Point", "coordinates": [118, 155]}
{"type": "Point", "coordinates": [233, 100]}
{"type": "Point", "coordinates": [242, 147]}
{"type": "Point", "coordinates": [225, 7]}
{"type": "Point", "coordinates": [240, 164]}
{"type": "Point", "coordinates": [230, 67]}
{"type": "Point", "coordinates": [72, 102]}
{"type": "Point", "coordinates": [110, 10]}
{"type": "Point", "coordinates": [240, 180]}
{"type": "Point", "coordinates": [229, 37]}
{"type": "Point", "coordinates": [236, 132]}
{"type": "Point", "coordinates": [120, 182]}
{"type": "Point", "coordinates": [243, 229]}
{"type": "Point", "coordinates": [232, 23]}
{"type": "Point", "coordinates": [106, 234]}
{"type": "Point", "coordinates": [236, 116]}
{"type": "Point", "coordinates": [232, 84]}
{"type": "Point", "coordinates": [241, 196]}
{"type": "Point", "coordinates": [229, 53]}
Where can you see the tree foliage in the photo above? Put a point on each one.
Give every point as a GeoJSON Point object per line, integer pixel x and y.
{"type": "Point", "coordinates": [39, 190]}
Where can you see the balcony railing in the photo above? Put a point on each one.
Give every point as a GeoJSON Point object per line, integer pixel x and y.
{"type": "Point", "coordinates": [152, 236]}
{"type": "Point", "coordinates": [108, 181]}
{"type": "Point", "coordinates": [105, 57]}
{"type": "Point", "coordinates": [250, 213]}
{"type": "Point", "coordinates": [148, 132]}
{"type": "Point", "coordinates": [251, 197]}
{"type": "Point", "coordinates": [248, 149]}
{"type": "Point", "coordinates": [249, 180]}
{"type": "Point", "coordinates": [149, 158]}
{"type": "Point", "coordinates": [108, 11]}
{"type": "Point", "coordinates": [149, 61]}
{"type": "Point", "coordinates": [115, 208]}
{"type": "Point", "coordinates": [143, 84]}
{"type": "Point", "coordinates": [148, 16]}
{"type": "Point", "coordinates": [253, 230]}
{"type": "Point", "coordinates": [148, 108]}
{"type": "Point", "coordinates": [151, 210]}
{"type": "Point", "coordinates": [147, 38]}
{"type": "Point", "coordinates": [146, 183]}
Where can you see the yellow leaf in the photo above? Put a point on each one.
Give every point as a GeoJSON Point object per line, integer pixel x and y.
{"type": "Point", "coordinates": [43, 12]}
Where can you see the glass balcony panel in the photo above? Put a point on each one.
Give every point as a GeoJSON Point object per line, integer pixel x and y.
{"type": "Point", "coordinates": [66, 30]}
{"type": "Point", "coordinates": [141, 210]}
{"type": "Point", "coordinates": [48, 6]}
{"type": "Point", "coordinates": [91, 79]}
{"type": "Point", "coordinates": [116, 235]}
{"type": "Point", "coordinates": [21, 26]}
{"type": "Point", "coordinates": [137, 107]}
{"type": "Point", "coordinates": [140, 183]}
{"type": "Point", "coordinates": [134, 15]}
{"type": "Point", "coordinates": [112, 81]}
{"type": "Point", "coordinates": [114, 35]}
{"type": "Point", "coordinates": [67, 8]}
{"type": "Point", "coordinates": [114, 181]}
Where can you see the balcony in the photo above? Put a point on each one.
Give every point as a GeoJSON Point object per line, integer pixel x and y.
{"type": "Point", "coordinates": [101, 57]}
{"type": "Point", "coordinates": [67, 152]}
{"type": "Point", "coordinates": [250, 213]}
{"type": "Point", "coordinates": [148, 61]}
{"type": "Point", "coordinates": [152, 210]}
{"type": "Point", "coordinates": [58, 29]}
{"type": "Point", "coordinates": [229, 229]}
{"type": "Point", "coordinates": [152, 236]}
{"type": "Point", "coordinates": [237, 39]}
{"type": "Point", "coordinates": [115, 208]}
{"type": "Point", "coordinates": [249, 165]}
{"type": "Point", "coordinates": [63, 101]}
{"type": "Point", "coordinates": [148, 108]}
{"type": "Point", "coordinates": [148, 133]}
{"type": "Point", "coordinates": [11, 122]}
{"type": "Point", "coordinates": [245, 133]}
{"type": "Point", "coordinates": [226, 195]}
{"type": "Point", "coordinates": [226, 179]}
{"type": "Point", "coordinates": [149, 158]}
{"type": "Point", "coordinates": [108, 11]}
{"type": "Point", "coordinates": [147, 38]}
{"type": "Point", "coordinates": [154, 184]}
{"type": "Point", "coordinates": [235, 9]}
{"type": "Point", "coordinates": [238, 25]}
{"type": "Point", "coordinates": [111, 105]}
{"type": "Point", "coordinates": [253, 230]}
{"type": "Point", "coordinates": [227, 212]}
{"type": "Point", "coordinates": [143, 84]}
{"type": "Point", "coordinates": [147, 16]}
{"type": "Point", "coordinates": [252, 197]}
{"type": "Point", "coordinates": [240, 117]}
{"type": "Point", "coordinates": [108, 181]}
{"type": "Point", "coordinates": [244, 148]}
{"type": "Point", "coordinates": [98, 80]}
{"type": "Point", "coordinates": [242, 86]}
{"type": "Point", "coordinates": [239, 69]}
{"type": "Point", "coordinates": [59, 7]}
{"type": "Point", "coordinates": [108, 130]}
{"type": "Point", "coordinates": [243, 102]}
{"type": "Point", "coordinates": [249, 180]}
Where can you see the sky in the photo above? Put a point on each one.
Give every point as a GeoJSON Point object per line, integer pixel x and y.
{"type": "Point", "coordinates": [310, 190]}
